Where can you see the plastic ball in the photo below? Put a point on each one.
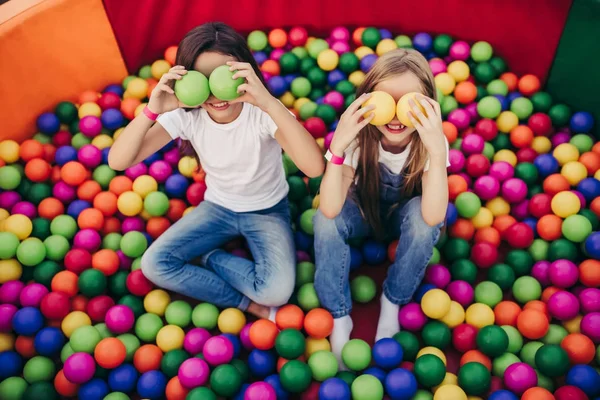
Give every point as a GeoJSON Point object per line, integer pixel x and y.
{"type": "Point", "coordinates": [356, 354]}
{"type": "Point", "coordinates": [384, 110]}
{"type": "Point", "coordinates": [79, 368]}
{"type": "Point", "coordinates": [295, 376]}
{"type": "Point", "coordinates": [429, 370]}
{"type": "Point", "coordinates": [435, 303]}
{"type": "Point", "coordinates": [192, 89]}
{"type": "Point", "coordinates": [403, 107]}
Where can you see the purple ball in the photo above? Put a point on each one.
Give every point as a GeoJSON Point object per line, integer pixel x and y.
{"type": "Point", "coordinates": [472, 144]}
{"type": "Point", "coordinates": [90, 156]}
{"type": "Point", "coordinates": [461, 292]}
{"type": "Point", "coordinates": [437, 66]}
{"type": "Point", "coordinates": [32, 295]}
{"type": "Point", "coordinates": [590, 300]}
{"type": "Point", "coordinates": [560, 138]}
{"type": "Point", "coordinates": [64, 192]}
{"type": "Point", "coordinates": [7, 312]}
{"type": "Point", "coordinates": [502, 170]}
{"type": "Point", "coordinates": [467, 179]}
{"type": "Point", "coordinates": [460, 50]}
{"type": "Point", "coordinates": [460, 118]}
{"type": "Point", "coordinates": [563, 273]}
{"type": "Point", "coordinates": [119, 319]}
{"type": "Point", "coordinates": [24, 208]}
{"type": "Point", "coordinates": [563, 305]}
{"type": "Point", "coordinates": [520, 210]}
{"type": "Point", "coordinates": [590, 326]}
{"type": "Point", "coordinates": [438, 275]}
{"type": "Point", "coordinates": [88, 239]}
{"type": "Point", "coordinates": [90, 126]}
{"type": "Point", "coordinates": [340, 33]}
{"type": "Point", "coordinates": [457, 161]}
{"type": "Point", "coordinates": [193, 372]}
{"type": "Point", "coordinates": [366, 63]}
{"type": "Point", "coordinates": [132, 224]}
{"type": "Point", "coordinates": [340, 47]}
{"type": "Point", "coordinates": [335, 100]}
{"type": "Point", "coordinates": [79, 368]}
{"type": "Point", "coordinates": [580, 197]}
{"type": "Point", "coordinates": [260, 391]}
{"type": "Point", "coordinates": [124, 261]}
{"type": "Point", "coordinates": [540, 272]}
{"type": "Point", "coordinates": [9, 199]}
{"type": "Point", "coordinates": [172, 157]}
{"type": "Point", "coordinates": [160, 170]}
{"type": "Point", "coordinates": [242, 253]}
{"type": "Point", "coordinates": [10, 292]}
{"type": "Point", "coordinates": [218, 350]}
{"type": "Point", "coordinates": [519, 377]}
{"type": "Point", "coordinates": [514, 190]}
{"type": "Point", "coordinates": [195, 339]}
{"type": "Point", "coordinates": [422, 42]}
{"type": "Point", "coordinates": [136, 170]}
{"type": "Point", "coordinates": [302, 256]}
{"type": "Point", "coordinates": [486, 187]}
{"type": "Point", "coordinates": [245, 337]}
{"type": "Point", "coordinates": [411, 317]}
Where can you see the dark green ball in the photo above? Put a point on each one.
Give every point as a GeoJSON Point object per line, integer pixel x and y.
{"type": "Point", "coordinates": [135, 303]}
{"type": "Point", "coordinates": [41, 228]}
{"type": "Point", "coordinates": [542, 101]}
{"type": "Point", "coordinates": [40, 390]}
{"type": "Point", "coordinates": [314, 184]}
{"type": "Point", "coordinates": [25, 185]}
{"type": "Point", "coordinates": [562, 249]}
{"type": "Point", "coordinates": [463, 270]}
{"type": "Point", "coordinates": [349, 62]}
{"type": "Point", "coordinates": [305, 203]}
{"type": "Point", "coordinates": [589, 214]}
{"type": "Point", "coordinates": [66, 112]}
{"type": "Point", "coordinates": [499, 65]}
{"type": "Point", "coordinates": [520, 261]}
{"type": "Point", "coordinates": [327, 113]}
{"type": "Point", "coordinates": [492, 340]}
{"type": "Point", "coordinates": [289, 63]}
{"type": "Point", "coordinates": [317, 93]}
{"type": "Point", "coordinates": [306, 64]}
{"type": "Point", "coordinates": [501, 142]}
{"type": "Point", "coordinates": [74, 127]}
{"type": "Point", "coordinates": [225, 380]}
{"type": "Point", "coordinates": [502, 275]}
{"type": "Point", "coordinates": [294, 211]}
{"type": "Point", "coordinates": [92, 282]}
{"type": "Point", "coordinates": [117, 286]}
{"type": "Point", "coordinates": [481, 93]}
{"type": "Point", "coordinates": [290, 344]}
{"type": "Point", "coordinates": [242, 368]}
{"type": "Point", "coordinates": [201, 393]}
{"type": "Point", "coordinates": [370, 37]}
{"type": "Point", "coordinates": [171, 361]}
{"type": "Point", "coordinates": [474, 378]}
{"type": "Point", "coordinates": [298, 188]}
{"type": "Point", "coordinates": [45, 271]}
{"type": "Point", "coordinates": [560, 114]}
{"type": "Point", "coordinates": [38, 192]}
{"type": "Point", "coordinates": [527, 172]}
{"type": "Point", "coordinates": [349, 100]}
{"type": "Point", "coordinates": [317, 77]}
{"type": "Point", "coordinates": [533, 190]}
{"type": "Point", "coordinates": [345, 88]}
{"type": "Point", "coordinates": [485, 72]}
{"type": "Point", "coordinates": [429, 370]}
{"type": "Point", "coordinates": [552, 360]}
{"type": "Point", "coordinates": [436, 334]}
{"type": "Point", "coordinates": [295, 376]}
{"type": "Point", "coordinates": [346, 376]}
{"type": "Point", "coordinates": [455, 249]}
{"type": "Point", "coordinates": [441, 45]}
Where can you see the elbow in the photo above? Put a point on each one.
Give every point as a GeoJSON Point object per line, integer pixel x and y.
{"type": "Point", "coordinates": [433, 220]}
{"type": "Point", "coordinates": [114, 163]}
{"type": "Point", "coordinates": [328, 211]}
{"type": "Point", "coordinates": [315, 170]}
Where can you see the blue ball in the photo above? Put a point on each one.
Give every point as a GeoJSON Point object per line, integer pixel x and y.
{"type": "Point", "coordinates": [585, 378]}
{"type": "Point", "coordinates": [11, 364]}
{"type": "Point", "coordinates": [582, 122]}
{"type": "Point", "coordinates": [275, 382]}
{"type": "Point", "coordinates": [320, 100]}
{"type": "Point", "coordinates": [65, 154]}
{"type": "Point", "coordinates": [503, 395]}
{"type": "Point", "coordinates": [546, 164]}
{"type": "Point", "coordinates": [116, 88]}
{"type": "Point", "coordinates": [356, 258]}
{"type": "Point", "coordinates": [176, 185]}
{"type": "Point", "coordinates": [167, 146]}
{"type": "Point", "coordinates": [451, 214]}
{"type": "Point", "coordinates": [152, 385]}
{"type": "Point", "coordinates": [592, 245]}
{"type": "Point", "coordinates": [303, 241]}
{"type": "Point", "coordinates": [589, 188]}
{"type": "Point", "coordinates": [334, 389]}
{"type": "Point", "coordinates": [152, 158]}
{"type": "Point", "coordinates": [262, 363]}
{"type": "Point", "coordinates": [374, 252]}
{"type": "Point", "coordinates": [421, 290]}
{"type": "Point", "coordinates": [235, 341]}
{"type": "Point", "coordinates": [76, 207]}
{"type": "Point", "coordinates": [149, 238]}
{"type": "Point", "coordinates": [112, 119]}
{"type": "Point", "coordinates": [334, 125]}
{"type": "Point", "coordinates": [387, 353]}
{"type": "Point", "coordinates": [423, 42]}
{"type": "Point", "coordinates": [290, 78]}
{"type": "Point", "coordinates": [385, 33]}
{"type": "Point", "coordinates": [96, 389]}
{"type": "Point", "coordinates": [504, 102]}
{"type": "Point", "coordinates": [49, 341]}
{"type": "Point", "coordinates": [260, 57]}
{"type": "Point", "coordinates": [240, 395]}
{"type": "Point", "coordinates": [532, 222]}
{"type": "Point", "coordinates": [105, 152]}
{"type": "Point", "coordinates": [366, 63]}
{"type": "Point", "coordinates": [277, 85]}
{"type": "Point", "coordinates": [123, 378]}
{"type": "Point", "coordinates": [336, 76]}
{"type": "Point", "coordinates": [376, 372]}
{"type": "Point", "coordinates": [27, 321]}
{"type": "Point", "coordinates": [513, 95]}
{"type": "Point", "coordinates": [48, 123]}
{"type": "Point", "coordinates": [400, 384]}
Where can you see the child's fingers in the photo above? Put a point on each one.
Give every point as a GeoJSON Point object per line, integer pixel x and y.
{"type": "Point", "coordinates": [236, 65]}
{"type": "Point", "coordinates": [428, 108]}
{"type": "Point", "coordinates": [361, 112]}
{"type": "Point", "coordinates": [357, 103]}
{"type": "Point", "coordinates": [414, 120]}
{"type": "Point", "coordinates": [165, 88]}
{"type": "Point", "coordinates": [241, 74]}
{"type": "Point", "coordinates": [417, 112]}
{"type": "Point", "coordinates": [365, 121]}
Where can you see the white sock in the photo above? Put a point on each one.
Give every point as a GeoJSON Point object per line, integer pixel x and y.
{"type": "Point", "coordinates": [340, 335]}
{"type": "Point", "coordinates": [388, 324]}
{"type": "Point", "coordinates": [273, 313]}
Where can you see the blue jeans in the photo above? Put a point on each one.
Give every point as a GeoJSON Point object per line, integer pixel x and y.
{"type": "Point", "coordinates": [224, 279]}
{"type": "Point", "coordinates": [332, 253]}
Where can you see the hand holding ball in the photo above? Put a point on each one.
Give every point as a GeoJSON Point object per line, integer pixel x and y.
{"type": "Point", "coordinates": [384, 107]}
{"type": "Point", "coordinates": [192, 90]}
{"type": "Point", "coordinates": [404, 107]}
{"type": "Point", "coordinates": [222, 85]}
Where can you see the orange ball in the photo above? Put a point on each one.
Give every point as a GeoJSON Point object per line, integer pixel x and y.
{"type": "Point", "coordinates": [55, 176]}
{"type": "Point", "coordinates": [277, 38]}
{"type": "Point", "coordinates": [24, 346]}
{"type": "Point", "coordinates": [488, 234]}
{"type": "Point", "coordinates": [546, 294]}
{"type": "Point", "coordinates": [128, 107]}
{"type": "Point", "coordinates": [318, 323]}
{"type": "Point", "coordinates": [147, 358]}
{"type": "Point", "coordinates": [106, 260]}
{"type": "Point", "coordinates": [263, 333]}
{"type": "Point", "coordinates": [176, 209]}
{"type": "Point", "coordinates": [38, 170]}
{"type": "Point", "coordinates": [357, 36]}
{"type": "Point", "coordinates": [90, 218]}
{"type": "Point", "coordinates": [521, 136]}
{"type": "Point", "coordinates": [589, 273]}
{"type": "Point", "coordinates": [579, 347]}
{"type": "Point", "coordinates": [450, 131]}
{"type": "Point", "coordinates": [595, 206]}
{"type": "Point", "coordinates": [529, 84]}
{"type": "Point", "coordinates": [156, 226]}
{"type": "Point", "coordinates": [538, 305]}
{"type": "Point", "coordinates": [50, 208]}
{"type": "Point", "coordinates": [289, 316]}
{"type": "Point", "coordinates": [502, 223]}
{"type": "Point", "coordinates": [549, 227]}
{"type": "Point", "coordinates": [174, 390]}
{"type": "Point", "coordinates": [88, 190]}
{"type": "Point", "coordinates": [170, 54]}
{"type": "Point", "coordinates": [506, 313]}
{"type": "Point", "coordinates": [120, 184]}
{"type": "Point", "coordinates": [111, 225]}
{"type": "Point", "coordinates": [271, 67]}
{"type": "Point", "coordinates": [49, 152]}
{"type": "Point", "coordinates": [476, 356]}
{"type": "Point", "coordinates": [591, 161]}
{"type": "Point", "coordinates": [456, 185]}
{"type": "Point", "coordinates": [66, 282]}
{"type": "Point", "coordinates": [73, 173]}
{"type": "Point", "coordinates": [106, 203]}
{"type": "Point", "coordinates": [510, 79]}
{"type": "Point", "coordinates": [31, 149]}
{"type": "Point", "coordinates": [89, 96]}
{"type": "Point", "coordinates": [537, 393]}
{"type": "Point", "coordinates": [532, 324]}
{"type": "Point", "coordinates": [463, 229]}
{"type": "Point", "coordinates": [555, 183]}
{"type": "Point", "coordinates": [465, 92]}
{"type": "Point", "coordinates": [63, 386]}
{"type": "Point", "coordinates": [151, 85]}
{"type": "Point", "coordinates": [110, 352]}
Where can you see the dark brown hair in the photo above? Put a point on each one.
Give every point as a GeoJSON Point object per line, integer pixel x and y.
{"type": "Point", "coordinates": [216, 37]}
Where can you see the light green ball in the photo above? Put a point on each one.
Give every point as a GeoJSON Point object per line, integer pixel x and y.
{"type": "Point", "coordinates": [66, 352]}
{"type": "Point", "coordinates": [356, 354]}
{"type": "Point", "coordinates": [39, 369]}
{"type": "Point", "coordinates": [257, 40]}
{"type": "Point", "coordinates": [489, 107]}
{"type": "Point", "coordinates": [84, 339]}
{"type": "Point", "coordinates": [583, 142]}
{"type": "Point", "coordinates": [205, 315]}
{"type": "Point", "coordinates": [10, 177]}
{"type": "Point", "coordinates": [497, 86]}
{"type": "Point", "coordinates": [555, 334]}
{"type": "Point", "coordinates": [133, 244]}
{"type": "Point", "coordinates": [13, 388]}
{"type": "Point", "coordinates": [481, 51]}
{"type": "Point", "coordinates": [526, 288]}
{"type": "Point", "coordinates": [179, 313]}
{"type": "Point", "coordinates": [103, 174]}
{"type": "Point", "coordinates": [467, 204]}
{"type": "Point", "coordinates": [367, 387]}
{"type": "Point", "coordinates": [499, 364]}
{"type": "Point", "coordinates": [515, 340]}
{"type": "Point", "coordinates": [576, 228]}
{"type": "Point", "coordinates": [132, 343]}
{"type": "Point", "coordinates": [522, 107]}
{"type": "Point", "coordinates": [529, 351]}
{"type": "Point", "coordinates": [222, 85]}
{"type": "Point", "coordinates": [305, 273]}
{"type": "Point", "coordinates": [31, 252]}
{"type": "Point", "coordinates": [116, 396]}
{"type": "Point", "coordinates": [56, 247]}
{"type": "Point", "coordinates": [147, 327]}
{"type": "Point", "coordinates": [363, 289]}
{"type": "Point", "coordinates": [8, 245]}
{"type": "Point", "coordinates": [64, 225]}
{"type": "Point", "coordinates": [307, 297]}
{"type": "Point", "coordinates": [306, 221]}
{"type": "Point", "coordinates": [488, 293]}
{"type": "Point", "coordinates": [323, 365]}
{"type": "Point", "coordinates": [301, 87]}
{"type": "Point", "coordinates": [316, 47]}
{"type": "Point", "coordinates": [156, 203]}
{"type": "Point", "coordinates": [192, 89]}
{"type": "Point", "coordinates": [539, 249]}
{"type": "Point", "coordinates": [403, 41]}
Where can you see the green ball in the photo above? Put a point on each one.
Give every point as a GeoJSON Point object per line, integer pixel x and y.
{"type": "Point", "coordinates": [179, 313]}
{"type": "Point", "coordinates": [489, 107]}
{"type": "Point", "coordinates": [317, 77]}
{"type": "Point", "coordinates": [132, 343]}
{"type": "Point", "coordinates": [242, 368]}
{"type": "Point", "coordinates": [499, 65]}
{"type": "Point", "coordinates": [103, 330]}
{"type": "Point", "coordinates": [349, 100]}
{"type": "Point", "coordinates": [290, 344]}
{"type": "Point", "coordinates": [41, 390]}
{"type": "Point", "coordinates": [205, 315]}
{"type": "Point", "coordinates": [527, 172]}
{"type": "Point", "coordinates": [367, 387]}
{"type": "Point", "coordinates": [492, 340]}
{"type": "Point", "coordinates": [92, 282]}
{"type": "Point", "coordinates": [41, 228]}
{"type": "Point", "coordinates": [306, 64]}
{"type": "Point", "coordinates": [499, 364]}
{"type": "Point", "coordinates": [436, 334]}
{"type": "Point", "coordinates": [10, 177]}
{"type": "Point", "coordinates": [133, 244]}
{"type": "Point", "coordinates": [192, 89]}
{"type": "Point", "coordinates": [555, 334]}
{"type": "Point", "coordinates": [576, 228]}
{"type": "Point", "coordinates": [64, 225]}
{"type": "Point", "coordinates": [74, 128]}
{"type": "Point", "coordinates": [545, 382]}
{"type": "Point", "coordinates": [38, 192]}
{"type": "Point", "coordinates": [257, 40]}
{"type": "Point", "coordinates": [298, 188]}
{"type": "Point", "coordinates": [429, 370]}
{"type": "Point", "coordinates": [201, 393]}
{"type": "Point", "coordinates": [225, 380]}
{"type": "Point", "coordinates": [356, 354]}
{"type": "Point", "coordinates": [345, 87]}
{"type": "Point", "coordinates": [456, 249]}
{"type": "Point", "coordinates": [448, 105]}
{"type": "Point", "coordinates": [515, 340]}
{"type": "Point", "coordinates": [323, 365]}
{"type": "Point", "coordinates": [112, 241]}
{"type": "Point", "coordinates": [145, 72]}
{"type": "Point", "coordinates": [133, 302]}
{"type": "Point", "coordinates": [542, 101]}
{"type": "Point", "coordinates": [533, 190]}
{"type": "Point", "coordinates": [222, 85]}
{"type": "Point", "coordinates": [435, 257]}
{"type": "Point", "coordinates": [526, 288]}
{"type": "Point", "coordinates": [539, 249]}
{"type": "Point", "coordinates": [156, 204]}
{"type": "Point", "coordinates": [84, 339]}
{"type": "Point", "coordinates": [301, 87]}
{"type": "Point", "coordinates": [314, 185]}
{"type": "Point", "coordinates": [371, 37]}
{"type": "Point", "coordinates": [485, 72]}
{"type": "Point", "coordinates": [56, 247]}
{"type": "Point", "coordinates": [117, 284]}
{"type": "Point", "coordinates": [560, 114]}
{"type": "Point", "coordinates": [305, 273]}
{"type": "Point", "coordinates": [8, 245]}
{"type": "Point", "coordinates": [529, 351]}
{"type": "Point", "coordinates": [409, 343]}
{"type": "Point", "coordinates": [171, 361]}
{"type": "Point", "coordinates": [463, 270]}
{"type": "Point", "coordinates": [147, 327]}
{"type": "Point", "coordinates": [474, 378]}
{"type": "Point", "coordinates": [562, 248]}
{"type": "Point", "coordinates": [306, 221]}
{"type": "Point", "coordinates": [481, 51]}
{"type": "Point", "coordinates": [116, 396]}
{"type": "Point", "coordinates": [441, 45]}
{"type": "Point", "coordinates": [346, 376]}
{"type": "Point", "coordinates": [316, 47]}
{"type": "Point", "coordinates": [45, 271]}
{"type": "Point", "coordinates": [307, 297]}
{"type": "Point", "coordinates": [39, 369]}
{"type": "Point", "coordinates": [488, 293]}
{"type": "Point", "coordinates": [31, 252]}
{"type": "Point", "coordinates": [497, 86]}
{"type": "Point", "coordinates": [79, 140]}
{"type": "Point", "coordinates": [103, 174]}
{"type": "Point", "coordinates": [13, 388]}
{"type": "Point", "coordinates": [327, 113]}
{"type": "Point", "coordinates": [552, 360]}
{"type": "Point", "coordinates": [66, 352]}
{"type": "Point", "coordinates": [520, 261]}
{"type": "Point", "coordinates": [422, 395]}
{"type": "Point", "coordinates": [502, 275]}
{"type": "Point", "coordinates": [295, 376]}
{"type": "Point", "coordinates": [467, 204]}
{"type": "Point", "coordinates": [583, 142]}
{"type": "Point", "coordinates": [500, 142]}
{"type": "Point", "coordinates": [288, 165]}
{"type": "Point", "coordinates": [66, 112]}
{"type": "Point", "coordinates": [289, 63]}
{"type": "Point", "coordinates": [403, 41]}
{"type": "Point", "coordinates": [363, 289]}
{"type": "Point", "coordinates": [349, 62]}
{"type": "Point", "coordinates": [308, 110]}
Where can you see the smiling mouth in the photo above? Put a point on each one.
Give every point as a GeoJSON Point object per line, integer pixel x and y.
{"type": "Point", "coordinates": [395, 128]}
{"type": "Point", "coordinates": [224, 105]}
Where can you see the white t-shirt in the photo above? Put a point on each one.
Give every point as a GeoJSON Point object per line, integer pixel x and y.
{"type": "Point", "coordinates": [242, 159]}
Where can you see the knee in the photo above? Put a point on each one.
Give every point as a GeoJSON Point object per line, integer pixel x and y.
{"type": "Point", "coordinates": [152, 264]}
{"type": "Point", "coordinates": [325, 228]}
{"type": "Point", "coordinates": [275, 293]}
{"type": "Point", "coordinates": [414, 224]}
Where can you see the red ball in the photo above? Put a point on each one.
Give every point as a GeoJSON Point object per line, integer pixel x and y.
{"type": "Point", "coordinates": [138, 284]}
{"type": "Point", "coordinates": [97, 307]}
{"type": "Point", "coordinates": [539, 205]}
{"type": "Point", "coordinates": [526, 154]}
{"type": "Point", "coordinates": [316, 127]}
{"type": "Point", "coordinates": [312, 393]}
{"type": "Point", "coordinates": [109, 100]}
{"type": "Point", "coordinates": [55, 305]}
{"type": "Point", "coordinates": [519, 235]}
{"type": "Point", "coordinates": [464, 338]}
{"type": "Point", "coordinates": [407, 365]}
{"type": "Point", "coordinates": [78, 260]}
{"type": "Point", "coordinates": [540, 124]}
{"type": "Point", "coordinates": [195, 193]}
{"type": "Point", "coordinates": [62, 138]}
{"type": "Point", "coordinates": [484, 255]}
{"type": "Point", "coordinates": [477, 165]}
{"type": "Point", "coordinates": [297, 36]}
{"type": "Point", "coordinates": [487, 129]}
{"type": "Point", "coordinates": [570, 393]}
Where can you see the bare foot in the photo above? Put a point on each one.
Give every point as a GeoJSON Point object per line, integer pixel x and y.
{"type": "Point", "coordinates": [258, 310]}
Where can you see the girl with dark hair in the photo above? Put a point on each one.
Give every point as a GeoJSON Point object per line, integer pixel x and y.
{"type": "Point", "coordinates": [238, 144]}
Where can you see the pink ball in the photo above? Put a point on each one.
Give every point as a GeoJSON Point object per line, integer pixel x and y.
{"type": "Point", "coordinates": [563, 305]}
{"type": "Point", "coordinates": [437, 66]}
{"type": "Point", "coordinates": [563, 273]}
{"type": "Point", "coordinates": [521, 210]}
{"type": "Point", "coordinates": [460, 50]}
{"type": "Point", "coordinates": [119, 319]}
{"type": "Point", "coordinates": [10, 292]}
{"type": "Point", "coordinates": [124, 261]}
{"type": "Point", "coordinates": [32, 295]}
{"type": "Point", "coordinates": [457, 161]}
{"type": "Point", "coordinates": [64, 192]}
{"type": "Point", "coordinates": [519, 377]}
{"type": "Point", "coordinates": [472, 144]}
{"type": "Point", "coordinates": [172, 157]}
{"type": "Point", "coordinates": [560, 138]}
{"type": "Point", "coordinates": [88, 239]}
{"type": "Point", "coordinates": [328, 139]}
{"type": "Point", "coordinates": [340, 33]}
{"type": "Point", "coordinates": [79, 368]}
{"type": "Point", "coordinates": [160, 170]}
{"type": "Point", "coordinates": [136, 170]}
{"type": "Point", "coordinates": [242, 253]}
{"type": "Point", "coordinates": [193, 372]}
{"type": "Point", "coordinates": [335, 100]}
{"type": "Point", "coordinates": [132, 224]}
{"type": "Point", "coordinates": [195, 339]}
{"type": "Point", "coordinates": [460, 118]}
{"type": "Point", "coordinates": [590, 300]}
{"type": "Point", "coordinates": [90, 126]}
{"type": "Point", "coordinates": [461, 292]}
{"type": "Point", "coordinates": [540, 272]}
{"type": "Point", "coordinates": [590, 326]}
{"type": "Point", "coordinates": [266, 75]}
{"type": "Point", "coordinates": [502, 170]}
{"type": "Point", "coordinates": [245, 337]}
{"type": "Point", "coordinates": [467, 178]}
{"type": "Point", "coordinates": [302, 256]}
{"type": "Point", "coordinates": [7, 311]}
{"type": "Point", "coordinates": [89, 155]}
{"type": "Point", "coordinates": [514, 190]}
{"type": "Point", "coordinates": [9, 199]}
{"type": "Point", "coordinates": [25, 208]}
{"type": "Point", "coordinates": [260, 391]}
{"type": "Point", "coordinates": [486, 187]}
{"type": "Point", "coordinates": [438, 275]}
{"type": "Point", "coordinates": [411, 317]}
{"type": "Point", "coordinates": [276, 54]}
{"type": "Point", "coordinates": [340, 47]}
{"type": "Point", "coordinates": [472, 110]}
{"type": "Point", "coordinates": [218, 350]}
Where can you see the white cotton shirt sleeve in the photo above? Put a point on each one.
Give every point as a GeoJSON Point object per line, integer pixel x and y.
{"type": "Point", "coordinates": [266, 122]}
{"type": "Point", "coordinates": [176, 123]}
{"type": "Point", "coordinates": [447, 157]}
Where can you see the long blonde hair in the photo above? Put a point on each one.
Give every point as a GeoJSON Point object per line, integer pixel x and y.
{"type": "Point", "coordinates": [393, 63]}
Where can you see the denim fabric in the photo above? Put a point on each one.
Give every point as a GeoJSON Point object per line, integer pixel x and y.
{"type": "Point", "coordinates": [224, 279]}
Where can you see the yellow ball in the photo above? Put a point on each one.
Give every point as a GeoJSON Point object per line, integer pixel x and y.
{"type": "Point", "coordinates": [565, 203]}
{"type": "Point", "coordinates": [445, 82]}
{"type": "Point", "coordinates": [434, 351]}
{"type": "Point", "coordinates": [139, 109]}
{"type": "Point", "coordinates": [144, 185]}
{"type": "Point", "coordinates": [597, 175]}
{"type": "Point", "coordinates": [10, 270]}
{"type": "Point", "coordinates": [87, 109]}
{"type": "Point", "coordinates": [573, 325]}
{"type": "Point", "coordinates": [385, 107]}
{"type": "Point", "coordinates": [474, 398]}
{"type": "Point", "coordinates": [507, 121]}
{"type": "Point", "coordinates": [300, 102]}
{"type": "Point", "coordinates": [288, 99]}
{"type": "Point", "coordinates": [435, 303]}
{"type": "Point", "coordinates": [187, 210]}
{"type": "Point", "coordinates": [498, 206]}
{"type": "Point", "coordinates": [118, 133]}
{"type": "Point", "coordinates": [74, 320]}
{"type": "Point", "coordinates": [459, 70]}
{"type": "Point", "coordinates": [314, 345]}
{"type": "Point", "coordinates": [363, 51]}
{"type": "Point", "coordinates": [574, 171]}
{"type": "Point", "coordinates": [9, 151]}
{"type": "Point", "coordinates": [385, 45]}
{"type": "Point", "coordinates": [7, 341]}
{"type": "Point", "coordinates": [483, 219]}
{"type": "Point", "coordinates": [321, 143]}
{"type": "Point", "coordinates": [565, 152]}
{"type": "Point", "coordinates": [18, 224]}
{"type": "Point", "coordinates": [455, 316]}
{"type": "Point", "coordinates": [356, 78]}
{"type": "Point", "coordinates": [403, 107]}
{"type": "Point", "coordinates": [506, 155]}
{"type": "Point", "coordinates": [170, 337]}
{"type": "Point", "coordinates": [541, 144]}
{"type": "Point", "coordinates": [159, 68]}
{"type": "Point", "coordinates": [328, 59]}
{"type": "Point", "coordinates": [145, 215]}
{"type": "Point", "coordinates": [449, 379]}
{"type": "Point", "coordinates": [156, 302]}
{"type": "Point", "coordinates": [479, 315]}
{"type": "Point", "coordinates": [130, 203]}
{"type": "Point", "coordinates": [138, 88]}
{"type": "Point", "coordinates": [450, 392]}
{"type": "Point", "coordinates": [231, 320]}
{"type": "Point", "coordinates": [315, 202]}
{"type": "Point", "coordinates": [102, 141]}
{"type": "Point", "coordinates": [187, 166]}
{"type": "Point", "coordinates": [3, 215]}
